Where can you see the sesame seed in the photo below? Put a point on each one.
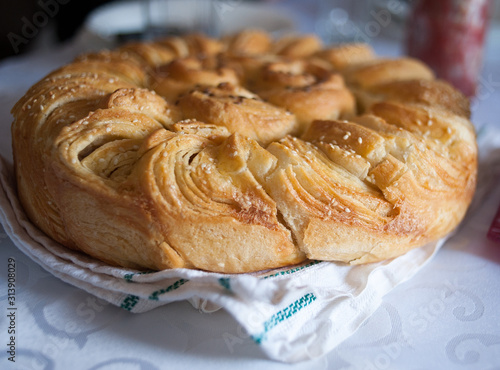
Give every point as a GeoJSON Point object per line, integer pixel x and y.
{"type": "Point", "coordinates": [360, 140]}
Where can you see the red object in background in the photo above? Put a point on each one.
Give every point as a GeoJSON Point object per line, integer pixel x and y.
{"type": "Point", "coordinates": [448, 35]}
{"type": "Point", "coordinates": [494, 232]}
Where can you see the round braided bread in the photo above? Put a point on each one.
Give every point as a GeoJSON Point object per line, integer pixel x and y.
{"type": "Point", "coordinates": [243, 154]}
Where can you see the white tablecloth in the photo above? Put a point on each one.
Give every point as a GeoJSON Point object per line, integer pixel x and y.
{"type": "Point", "coordinates": [447, 316]}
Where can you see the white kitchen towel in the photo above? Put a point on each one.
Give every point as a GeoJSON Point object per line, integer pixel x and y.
{"type": "Point", "coordinates": [294, 314]}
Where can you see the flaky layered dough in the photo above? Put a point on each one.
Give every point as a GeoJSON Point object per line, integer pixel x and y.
{"type": "Point", "coordinates": [243, 154]}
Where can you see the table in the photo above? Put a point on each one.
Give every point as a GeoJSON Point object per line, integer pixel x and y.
{"type": "Point", "coordinates": [446, 316]}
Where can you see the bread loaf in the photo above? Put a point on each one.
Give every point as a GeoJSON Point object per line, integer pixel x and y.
{"type": "Point", "coordinates": [243, 154]}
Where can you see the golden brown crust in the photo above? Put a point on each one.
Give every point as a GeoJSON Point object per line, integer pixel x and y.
{"type": "Point", "coordinates": [183, 74]}
{"type": "Point", "coordinates": [248, 42]}
{"type": "Point", "coordinates": [404, 165]}
{"type": "Point", "coordinates": [377, 71]}
{"type": "Point", "coordinates": [305, 89]}
{"type": "Point", "coordinates": [296, 46]}
{"type": "Point", "coordinates": [433, 93]}
{"type": "Point", "coordinates": [150, 54]}
{"type": "Point", "coordinates": [238, 110]}
{"type": "Point", "coordinates": [346, 55]}
{"type": "Point", "coordinates": [206, 174]}
{"type": "Point", "coordinates": [246, 66]}
{"type": "Point", "coordinates": [194, 44]}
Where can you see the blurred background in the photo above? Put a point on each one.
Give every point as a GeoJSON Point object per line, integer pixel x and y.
{"type": "Point", "coordinates": [29, 25]}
